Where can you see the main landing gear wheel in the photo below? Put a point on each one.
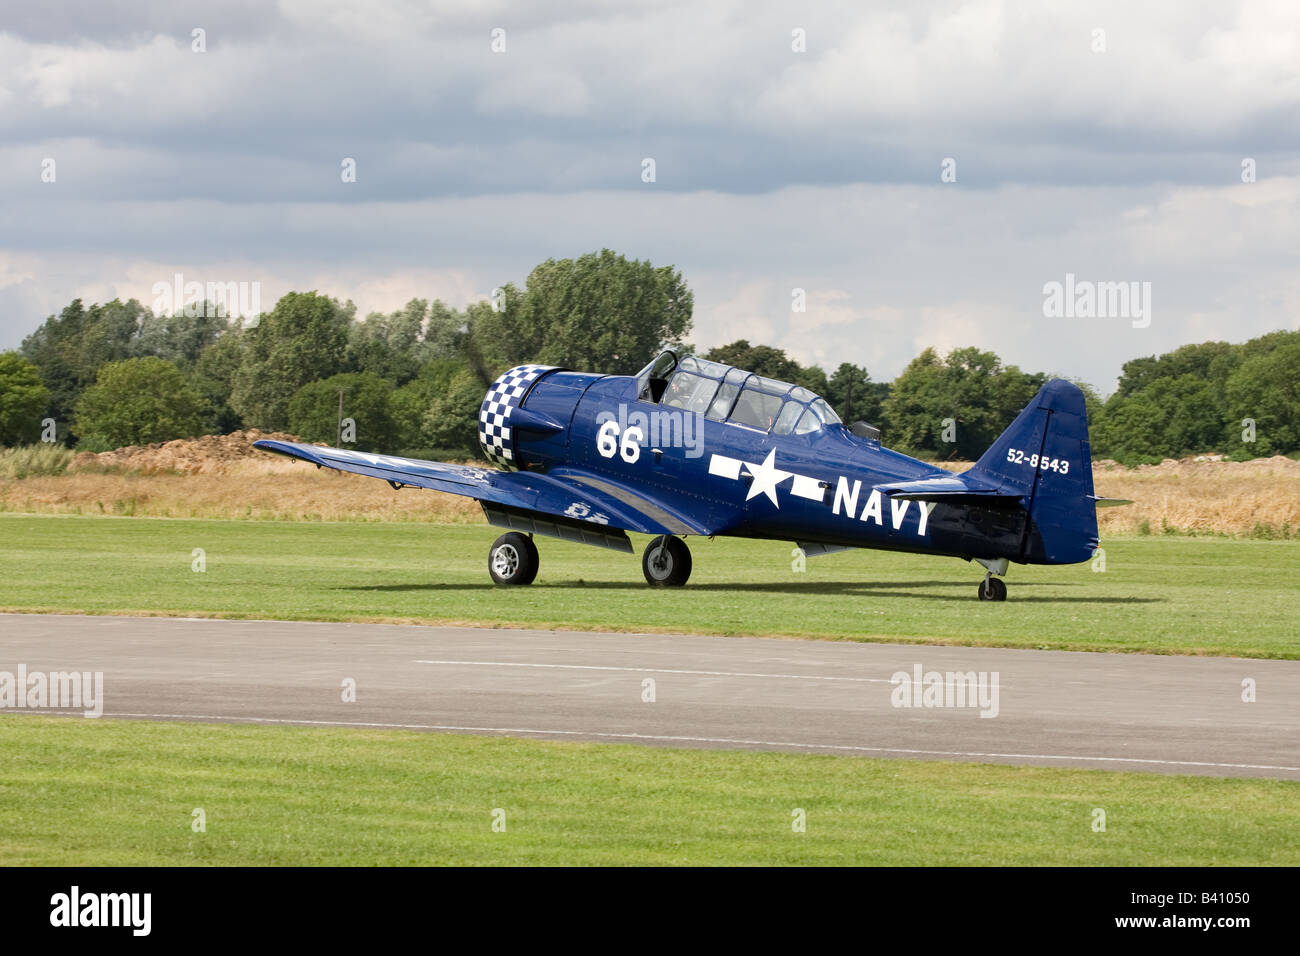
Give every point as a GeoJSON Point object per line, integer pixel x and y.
{"type": "Point", "coordinates": [993, 589]}
{"type": "Point", "coordinates": [513, 559]}
{"type": "Point", "coordinates": [666, 562]}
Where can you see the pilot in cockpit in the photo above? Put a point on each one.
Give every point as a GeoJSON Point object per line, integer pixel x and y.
{"type": "Point", "coordinates": [676, 396]}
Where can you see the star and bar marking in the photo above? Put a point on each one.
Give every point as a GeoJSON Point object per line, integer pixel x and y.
{"type": "Point", "coordinates": [766, 477]}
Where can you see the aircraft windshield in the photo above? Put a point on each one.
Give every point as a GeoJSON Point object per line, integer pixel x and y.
{"type": "Point", "coordinates": [723, 393]}
{"type": "Point", "coordinates": [653, 379]}
{"type": "Point", "coordinates": [822, 409]}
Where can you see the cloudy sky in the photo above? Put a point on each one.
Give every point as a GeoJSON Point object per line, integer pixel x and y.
{"type": "Point", "coordinates": [1103, 140]}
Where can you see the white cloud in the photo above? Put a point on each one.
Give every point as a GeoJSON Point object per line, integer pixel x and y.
{"type": "Point", "coordinates": [1166, 67]}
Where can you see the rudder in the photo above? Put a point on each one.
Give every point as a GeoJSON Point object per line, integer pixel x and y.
{"type": "Point", "coordinates": [1045, 457]}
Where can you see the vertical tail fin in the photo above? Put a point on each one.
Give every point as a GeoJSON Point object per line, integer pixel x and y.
{"type": "Point", "coordinates": [1044, 456]}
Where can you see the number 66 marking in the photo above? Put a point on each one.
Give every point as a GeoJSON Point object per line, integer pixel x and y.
{"type": "Point", "coordinates": [629, 449]}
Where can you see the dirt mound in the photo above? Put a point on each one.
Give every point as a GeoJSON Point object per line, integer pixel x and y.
{"type": "Point", "coordinates": [208, 455]}
{"type": "Point", "coordinates": [1278, 465]}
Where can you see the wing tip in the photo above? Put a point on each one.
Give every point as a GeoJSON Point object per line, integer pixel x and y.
{"type": "Point", "coordinates": [287, 449]}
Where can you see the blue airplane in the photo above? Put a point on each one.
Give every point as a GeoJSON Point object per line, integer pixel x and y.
{"type": "Point", "coordinates": [692, 447]}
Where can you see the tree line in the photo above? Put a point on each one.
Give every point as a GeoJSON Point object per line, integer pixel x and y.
{"type": "Point", "coordinates": [113, 374]}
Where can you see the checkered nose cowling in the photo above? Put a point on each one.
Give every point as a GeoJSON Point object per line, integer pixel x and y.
{"type": "Point", "coordinates": [505, 395]}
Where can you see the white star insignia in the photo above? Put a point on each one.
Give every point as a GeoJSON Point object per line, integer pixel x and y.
{"type": "Point", "coordinates": [766, 477]}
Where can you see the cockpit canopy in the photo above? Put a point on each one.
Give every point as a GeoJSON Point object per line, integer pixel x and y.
{"type": "Point", "coordinates": [723, 393]}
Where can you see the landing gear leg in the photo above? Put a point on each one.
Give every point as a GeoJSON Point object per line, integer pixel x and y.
{"type": "Point", "coordinates": [992, 589]}
{"type": "Point", "coordinates": [666, 562]}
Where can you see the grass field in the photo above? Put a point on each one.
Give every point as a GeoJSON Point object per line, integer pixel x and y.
{"type": "Point", "coordinates": [104, 792]}
{"type": "Point", "coordinates": [1158, 594]}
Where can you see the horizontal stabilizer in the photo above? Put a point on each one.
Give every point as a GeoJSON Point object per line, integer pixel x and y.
{"type": "Point", "coordinates": [1110, 502]}
{"type": "Point", "coordinates": [951, 489]}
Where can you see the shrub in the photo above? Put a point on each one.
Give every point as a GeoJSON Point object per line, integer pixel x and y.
{"type": "Point", "coordinates": [138, 401]}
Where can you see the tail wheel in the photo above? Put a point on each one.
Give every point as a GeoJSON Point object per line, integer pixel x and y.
{"type": "Point", "coordinates": [993, 589]}
{"type": "Point", "coordinates": [666, 562]}
{"type": "Point", "coordinates": [513, 559]}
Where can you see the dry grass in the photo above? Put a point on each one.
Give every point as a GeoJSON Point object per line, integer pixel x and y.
{"type": "Point", "coordinates": [280, 491]}
{"type": "Point", "coordinates": [224, 477]}
{"type": "Point", "coordinates": [1258, 498]}
{"type": "Point", "coordinates": [27, 460]}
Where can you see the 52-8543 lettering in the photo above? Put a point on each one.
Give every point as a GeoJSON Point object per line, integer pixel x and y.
{"type": "Point", "coordinates": [1018, 457]}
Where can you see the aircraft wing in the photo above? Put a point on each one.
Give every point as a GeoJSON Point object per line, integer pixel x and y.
{"type": "Point", "coordinates": [568, 503]}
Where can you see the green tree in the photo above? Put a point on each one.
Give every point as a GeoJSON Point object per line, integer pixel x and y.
{"type": "Point", "coordinates": [179, 338]}
{"type": "Point", "coordinates": [425, 414]}
{"type": "Point", "coordinates": [1265, 388]}
{"type": "Point", "coordinates": [1169, 418]}
{"type": "Point", "coordinates": [23, 399]}
{"type": "Point", "coordinates": [915, 397]}
{"type": "Point", "coordinates": [770, 362]}
{"type": "Point", "coordinates": [138, 401]}
{"type": "Point", "coordinates": [1194, 400]}
{"type": "Point", "coordinates": [213, 377]}
{"type": "Point", "coordinates": [599, 312]}
{"type": "Point", "coordinates": [451, 422]}
{"type": "Point", "coordinates": [854, 396]}
{"type": "Point", "coordinates": [759, 359]}
{"type": "Point", "coordinates": [314, 410]}
{"type": "Point", "coordinates": [494, 340]}
{"type": "Point", "coordinates": [1211, 361]}
{"type": "Point", "coordinates": [389, 345]}
{"type": "Point", "coordinates": [69, 348]}
{"type": "Point", "coordinates": [970, 395]}
{"type": "Point", "coordinates": [445, 332]}
{"type": "Point", "coordinates": [303, 339]}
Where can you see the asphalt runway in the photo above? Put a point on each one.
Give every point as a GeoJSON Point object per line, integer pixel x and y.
{"type": "Point", "coordinates": [1051, 708]}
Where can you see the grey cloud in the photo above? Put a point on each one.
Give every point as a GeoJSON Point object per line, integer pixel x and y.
{"type": "Point", "coordinates": [774, 168]}
{"type": "Point", "coordinates": [714, 92]}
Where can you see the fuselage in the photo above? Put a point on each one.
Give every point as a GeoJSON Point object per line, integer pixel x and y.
{"type": "Point", "coordinates": [810, 488]}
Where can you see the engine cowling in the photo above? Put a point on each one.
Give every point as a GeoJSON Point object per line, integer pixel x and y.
{"type": "Point", "coordinates": [525, 417]}
{"type": "Point", "coordinates": [498, 416]}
